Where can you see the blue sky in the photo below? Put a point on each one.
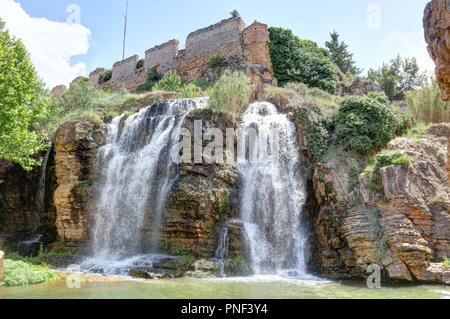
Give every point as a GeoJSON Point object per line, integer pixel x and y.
{"type": "Point", "coordinates": [398, 29]}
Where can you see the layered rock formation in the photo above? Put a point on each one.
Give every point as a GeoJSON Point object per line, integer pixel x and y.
{"type": "Point", "coordinates": [405, 227]}
{"type": "Point", "coordinates": [75, 147]}
{"type": "Point", "coordinates": [436, 22]}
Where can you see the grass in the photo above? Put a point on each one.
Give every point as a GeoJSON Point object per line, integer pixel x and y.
{"type": "Point", "coordinates": [383, 159]}
{"type": "Point", "coordinates": [299, 94]}
{"type": "Point", "coordinates": [426, 104]}
{"type": "Point", "coordinates": [230, 94]}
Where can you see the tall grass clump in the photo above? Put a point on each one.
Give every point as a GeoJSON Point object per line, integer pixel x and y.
{"type": "Point", "coordinates": [426, 104]}
{"type": "Point", "coordinates": [231, 93]}
{"type": "Point", "coordinates": [190, 91]}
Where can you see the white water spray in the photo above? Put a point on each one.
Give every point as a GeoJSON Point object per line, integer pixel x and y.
{"type": "Point", "coordinates": [273, 193]}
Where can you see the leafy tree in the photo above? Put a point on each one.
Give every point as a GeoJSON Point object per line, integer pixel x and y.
{"type": "Point", "coordinates": [297, 60]}
{"type": "Point", "coordinates": [397, 77]}
{"type": "Point", "coordinates": [21, 103]}
{"type": "Point", "coordinates": [340, 55]}
{"type": "Point", "coordinates": [170, 82]}
{"type": "Point", "coordinates": [80, 96]}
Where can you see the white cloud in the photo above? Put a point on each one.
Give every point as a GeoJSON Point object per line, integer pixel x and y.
{"type": "Point", "coordinates": [412, 44]}
{"type": "Point", "coordinates": [51, 44]}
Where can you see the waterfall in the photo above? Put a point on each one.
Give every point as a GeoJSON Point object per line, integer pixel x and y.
{"type": "Point", "coordinates": [40, 197]}
{"type": "Point", "coordinates": [273, 193]}
{"type": "Point", "coordinates": [136, 176]}
{"type": "Point", "coordinates": [222, 248]}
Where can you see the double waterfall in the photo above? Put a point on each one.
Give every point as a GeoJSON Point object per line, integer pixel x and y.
{"type": "Point", "coordinates": [137, 174]}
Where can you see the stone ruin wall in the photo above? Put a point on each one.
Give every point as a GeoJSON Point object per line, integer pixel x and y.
{"type": "Point", "coordinates": [240, 47]}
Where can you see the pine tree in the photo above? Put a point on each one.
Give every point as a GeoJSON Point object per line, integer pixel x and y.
{"type": "Point", "coordinates": [340, 54]}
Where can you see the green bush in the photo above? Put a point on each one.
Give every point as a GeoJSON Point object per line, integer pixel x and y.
{"type": "Point", "coordinates": [140, 64]}
{"type": "Point", "coordinates": [19, 273]}
{"type": "Point", "coordinates": [104, 76]}
{"type": "Point", "coordinates": [384, 160]}
{"type": "Point", "coordinates": [79, 97]}
{"type": "Point", "coordinates": [170, 82]}
{"type": "Point", "coordinates": [231, 93]}
{"type": "Point", "coordinates": [153, 76]}
{"type": "Point", "coordinates": [297, 60]}
{"type": "Point", "coordinates": [190, 91]}
{"type": "Point", "coordinates": [365, 124]}
{"type": "Point", "coordinates": [215, 61]}
{"type": "Point", "coordinates": [446, 262]}
{"type": "Point", "coordinates": [426, 104]}
{"type": "Point", "coordinates": [315, 131]}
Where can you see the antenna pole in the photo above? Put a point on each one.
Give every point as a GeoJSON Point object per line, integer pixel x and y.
{"type": "Point", "coordinates": [125, 32]}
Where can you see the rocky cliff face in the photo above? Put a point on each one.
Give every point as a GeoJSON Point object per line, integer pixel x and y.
{"type": "Point", "coordinates": [436, 22]}
{"type": "Point", "coordinates": [75, 147]}
{"type": "Point", "coordinates": [404, 227]}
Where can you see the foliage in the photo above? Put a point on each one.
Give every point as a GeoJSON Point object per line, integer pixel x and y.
{"type": "Point", "coordinates": [21, 103]}
{"type": "Point", "coordinates": [190, 91]}
{"type": "Point", "coordinates": [140, 64]}
{"type": "Point", "coordinates": [80, 96]}
{"type": "Point", "coordinates": [296, 60]}
{"type": "Point", "coordinates": [104, 76]}
{"type": "Point", "coordinates": [365, 123]}
{"type": "Point", "coordinates": [341, 56]}
{"type": "Point", "coordinates": [397, 77]}
{"type": "Point", "coordinates": [383, 160]}
{"type": "Point", "coordinates": [315, 130]}
{"type": "Point", "coordinates": [20, 271]}
{"type": "Point", "coordinates": [353, 178]}
{"type": "Point", "coordinates": [170, 82]}
{"type": "Point", "coordinates": [231, 93]}
{"type": "Point", "coordinates": [426, 104]}
{"type": "Point", "coordinates": [235, 13]}
{"type": "Point", "coordinates": [446, 262]}
{"type": "Point", "coordinates": [215, 61]}
{"type": "Point", "coordinates": [153, 76]}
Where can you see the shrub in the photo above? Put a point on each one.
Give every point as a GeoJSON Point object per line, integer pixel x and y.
{"type": "Point", "coordinates": [104, 76]}
{"type": "Point", "coordinates": [383, 160]}
{"type": "Point", "coordinates": [80, 96]}
{"type": "Point", "coordinates": [190, 91]}
{"type": "Point", "coordinates": [315, 131]}
{"type": "Point", "coordinates": [140, 64]}
{"type": "Point", "coordinates": [153, 76]}
{"type": "Point", "coordinates": [297, 60]}
{"type": "Point", "coordinates": [446, 262]}
{"type": "Point", "coordinates": [170, 82]}
{"type": "Point", "coordinates": [215, 61]}
{"type": "Point", "coordinates": [19, 273]}
{"type": "Point", "coordinates": [231, 93]}
{"type": "Point", "coordinates": [365, 124]}
{"type": "Point", "coordinates": [426, 104]}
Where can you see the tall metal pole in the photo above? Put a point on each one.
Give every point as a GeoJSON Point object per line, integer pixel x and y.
{"type": "Point", "coordinates": [125, 32]}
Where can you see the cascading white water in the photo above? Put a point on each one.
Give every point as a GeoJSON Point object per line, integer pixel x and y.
{"type": "Point", "coordinates": [40, 198]}
{"type": "Point", "coordinates": [136, 176]}
{"type": "Point", "coordinates": [273, 193]}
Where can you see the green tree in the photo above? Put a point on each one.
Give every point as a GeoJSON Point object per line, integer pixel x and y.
{"type": "Point", "coordinates": [21, 103]}
{"type": "Point", "coordinates": [397, 77]}
{"type": "Point", "coordinates": [297, 60]}
{"type": "Point", "coordinates": [340, 55]}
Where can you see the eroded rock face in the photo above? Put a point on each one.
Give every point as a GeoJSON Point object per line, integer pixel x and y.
{"type": "Point", "coordinates": [436, 22]}
{"type": "Point", "coordinates": [76, 146]}
{"type": "Point", "coordinates": [360, 86]}
{"type": "Point", "coordinates": [405, 227]}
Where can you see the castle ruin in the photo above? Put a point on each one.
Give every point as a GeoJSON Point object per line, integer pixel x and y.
{"type": "Point", "coordinates": [240, 47]}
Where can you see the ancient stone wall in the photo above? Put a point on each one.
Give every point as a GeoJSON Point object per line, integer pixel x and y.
{"type": "Point", "coordinates": [94, 76]}
{"type": "Point", "coordinates": [239, 48]}
{"type": "Point", "coordinates": [210, 39]}
{"type": "Point", "coordinates": [123, 72]}
{"type": "Point", "coordinates": [162, 56]}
